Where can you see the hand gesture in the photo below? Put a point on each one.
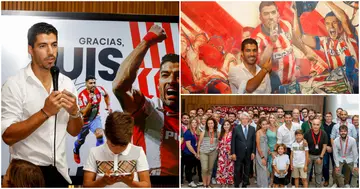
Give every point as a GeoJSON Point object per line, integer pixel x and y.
{"type": "Point", "coordinates": [68, 102]}
{"type": "Point", "coordinates": [53, 103]}
{"type": "Point", "coordinates": [267, 65]}
{"type": "Point", "coordinates": [159, 32]}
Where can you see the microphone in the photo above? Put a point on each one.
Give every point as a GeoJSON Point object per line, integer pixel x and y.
{"type": "Point", "coordinates": [55, 75]}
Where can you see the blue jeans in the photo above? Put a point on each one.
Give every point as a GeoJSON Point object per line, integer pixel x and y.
{"type": "Point", "coordinates": [326, 165]}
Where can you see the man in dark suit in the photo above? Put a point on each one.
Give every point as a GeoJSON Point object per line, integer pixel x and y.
{"type": "Point", "coordinates": [243, 150]}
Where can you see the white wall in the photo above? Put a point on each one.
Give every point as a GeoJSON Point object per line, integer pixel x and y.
{"type": "Point", "coordinates": [350, 103]}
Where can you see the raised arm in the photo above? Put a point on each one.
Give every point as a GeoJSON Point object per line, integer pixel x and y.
{"type": "Point", "coordinates": [341, 15]}
{"type": "Point", "coordinates": [131, 99]}
{"type": "Point", "coordinates": [299, 35]}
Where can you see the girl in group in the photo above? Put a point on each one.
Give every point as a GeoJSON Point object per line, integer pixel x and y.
{"type": "Point", "coordinates": [190, 154]}
{"type": "Point", "coordinates": [207, 150]}
{"type": "Point", "coordinates": [262, 153]}
{"type": "Point", "coordinates": [271, 137]}
{"type": "Point", "coordinates": [281, 164]}
{"type": "Point", "coordinates": [225, 170]}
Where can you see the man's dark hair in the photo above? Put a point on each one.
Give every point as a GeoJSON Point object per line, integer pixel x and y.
{"type": "Point", "coordinates": [288, 113]}
{"type": "Point", "coordinates": [184, 114]}
{"type": "Point", "coordinates": [331, 13]}
{"type": "Point", "coordinates": [343, 127]}
{"type": "Point", "coordinates": [339, 109]}
{"type": "Point", "coordinates": [89, 77]}
{"type": "Point", "coordinates": [305, 109]}
{"type": "Point", "coordinates": [210, 109]}
{"type": "Point", "coordinates": [266, 3]}
{"type": "Point", "coordinates": [231, 113]}
{"type": "Point", "coordinates": [248, 41]}
{"type": "Point", "coordinates": [312, 110]}
{"type": "Point", "coordinates": [280, 108]}
{"type": "Point", "coordinates": [174, 58]}
{"type": "Point", "coordinates": [119, 128]}
{"type": "Point", "coordinates": [261, 111]}
{"type": "Point", "coordinates": [255, 116]}
{"type": "Point", "coordinates": [40, 28]}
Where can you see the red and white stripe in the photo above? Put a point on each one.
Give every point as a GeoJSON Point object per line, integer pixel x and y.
{"type": "Point", "coordinates": [148, 74]}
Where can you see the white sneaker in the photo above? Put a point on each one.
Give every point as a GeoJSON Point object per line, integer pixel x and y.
{"type": "Point", "coordinates": [192, 184]}
{"type": "Point", "coordinates": [334, 186]}
{"type": "Point", "coordinates": [213, 181]}
{"type": "Point", "coordinates": [347, 186]}
{"type": "Point", "coordinates": [199, 184]}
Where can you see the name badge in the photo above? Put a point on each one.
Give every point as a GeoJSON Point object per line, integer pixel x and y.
{"type": "Point", "coordinates": [317, 146]}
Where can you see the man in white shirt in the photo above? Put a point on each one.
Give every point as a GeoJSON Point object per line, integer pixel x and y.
{"type": "Point", "coordinates": [248, 77]}
{"type": "Point", "coordinates": [346, 153]}
{"type": "Point", "coordinates": [118, 163]}
{"type": "Point", "coordinates": [286, 135]}
{"type": "Point", "coordinates": [29, 105]}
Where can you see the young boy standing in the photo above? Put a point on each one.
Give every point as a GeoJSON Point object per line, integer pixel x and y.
{"type": "Point", "coordinates": [298, 157]}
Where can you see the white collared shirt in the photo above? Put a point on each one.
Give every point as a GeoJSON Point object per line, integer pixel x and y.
{"type": "Point", "coordinates": [104, 154]}
{"type": "Point", "coordinates": [286, 136]}
{"type": "Point", "coordinates": [351, 154]}
{"type": "Point", "coordinates": [22, 96]}
{"type": "Point", "coordinates": [239, 77]}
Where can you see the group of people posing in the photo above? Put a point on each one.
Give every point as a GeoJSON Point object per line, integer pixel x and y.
{"type": "Point", "coordinates": [276, 148]}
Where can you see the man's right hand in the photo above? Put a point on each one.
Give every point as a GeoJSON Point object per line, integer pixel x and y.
{"type": "Point", "coordinates": [328, 149]}
{"type": "Point", "coordinates": [110, 180]}
{"type": "Point", "coordinates": [267, 65]}
{"type": "Point", "coordinates": [233, 157]}
{"type": "Point", "coordinates": [159, 32]}
{"type": "Point", "coordinates": [53, 103]}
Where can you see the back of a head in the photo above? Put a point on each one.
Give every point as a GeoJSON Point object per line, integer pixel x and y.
{"type": "Point", "coordinates": [25, 174]}
{"type": "Point", "coordinates": [119, 128]}
{"type": "Point", "coordinates": [40, 28]}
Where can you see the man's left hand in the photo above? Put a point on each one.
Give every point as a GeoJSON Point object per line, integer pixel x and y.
{"type": "Point", "coordinates": [127, 179]}
{"type": "Point", "coordinates": [356, 169]}
{"type": "Point", "coordinates": [68, 102]}
{"type": "Point", "coordinates": [109, 109]}
{"type": "Point", "coordinates": [319, 161]}
{"type": "Point", "coordinates": [252, 156]}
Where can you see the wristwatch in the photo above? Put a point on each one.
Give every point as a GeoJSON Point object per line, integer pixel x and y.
{"type": "Point", "coordinates": [321, 157]}
{"type": "Point", "coordinates": [262, 157]}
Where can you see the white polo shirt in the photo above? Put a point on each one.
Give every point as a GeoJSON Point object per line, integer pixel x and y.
{"type": "Point", "coordinates": [101, 159]}
{"type": "Point", "coordinates": [286, 136]}
{"type": "Point", "coordinates": [299, 154]}
{"type": "Point", "coordinates": [22, 96]}
{"type": "Point", "coordinates": [239, 76]}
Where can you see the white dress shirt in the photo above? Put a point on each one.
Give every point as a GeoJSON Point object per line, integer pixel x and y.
{"type": "Point", "coordinates": [286, 136]}
{"type": "Point", "coordinates": [239, 76]}
{"type": "Point", "coordinates": [22, 96]}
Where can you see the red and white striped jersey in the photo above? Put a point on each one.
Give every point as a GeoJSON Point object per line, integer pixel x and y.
{"type": "Point", "coordinates": [84, 99]}
{"type": "Point", "coordinates": [283, 55]}
{"type": "Point", "coordinates": [336, 51]}
{"type": "Point", "coordinates": [156, 129]}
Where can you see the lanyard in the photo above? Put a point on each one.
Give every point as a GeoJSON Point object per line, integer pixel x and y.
{"type": "Point", "coordinates": [346, 145]}
{"type": "Point", "coordinates": [211, 137]}
{"type": "Point", "coordinates": [194, 133]}
{"type": "Point", "coordinates": [316, 143]}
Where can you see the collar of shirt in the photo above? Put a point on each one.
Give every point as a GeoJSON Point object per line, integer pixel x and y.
{"type": "Point", "coordinates": [242, 67]}
{"type": "Point", "coordinates": [125, 152]}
